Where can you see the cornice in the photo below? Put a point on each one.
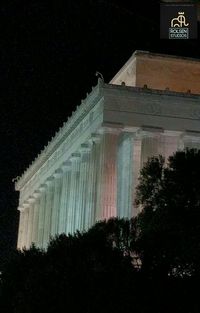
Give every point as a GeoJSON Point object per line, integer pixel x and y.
{"type": "Point", "coordinates": [96, 94]}
{"type": "Point", "coordinates": [61, 135]}
{"type": "Point", "coordinates": [147, 90]}
{"type": "Point", "coordinates": [155, 103]}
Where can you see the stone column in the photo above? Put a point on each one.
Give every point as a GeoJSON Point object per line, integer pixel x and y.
{"type": "Point", "coordinates": [26, 217]}
{"type": "Point", "coordinates": [56, 202]}
{"type": "Point", "coordinates": [20, 242]}
{"type": "Point", "coordinates": [83, 186]}
{"type": "Point", "coordinates": [48, 210]}
{"type": "Point", "coordinates": [169, 143]}
{"type": "Point", "coordinates": [73, 193]}
{"type": "Point", "coordinates": [150, 143]}
{"type": "Point", "coordinates": [64, 199]}
{"type": "Point", "coordinates": [160, 142]}
{"type": "Point", "coordinates": [91, 191]}
{"type": "Point", "coordinates": [191, 140]}
{"type": "Point", "coordinates": [42, 202]}
{"type": "Point", "coordinates": [36, 195]}
{"type": "Point", "coordinates": [136, 169]}
{"type": "Point", "coordinates": [107, 180]}
{"type": "Point", "coordinates": [125, 175]}
{"type": "Point", "coordinates": [128, 169]}
{"type": "Point", "coordinates": [25, 240]}
{"type": "Point", "coordinates": [31, 202]}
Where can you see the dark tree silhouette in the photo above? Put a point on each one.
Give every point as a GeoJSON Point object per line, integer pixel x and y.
{"type": "Point", "coordinates": [96, 271]}
{"type": "Point", "coordinates": [168, 228]}
{"type": "Point", "coordinates": [86, 272]}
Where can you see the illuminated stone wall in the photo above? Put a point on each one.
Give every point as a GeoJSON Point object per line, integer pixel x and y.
{"type": "Point", "coordinates": [160, 72]}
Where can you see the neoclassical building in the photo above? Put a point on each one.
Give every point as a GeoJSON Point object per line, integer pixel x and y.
{"type": "Point", "coordinates": [89, 170]}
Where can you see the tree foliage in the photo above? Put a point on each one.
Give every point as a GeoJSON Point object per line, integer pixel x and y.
{"type": "Point", "coordinates": [168, 228]}
{"type": "Point", "coordinates": [97, 271]}
{"type": "Point", "coordinates": [84, 272]}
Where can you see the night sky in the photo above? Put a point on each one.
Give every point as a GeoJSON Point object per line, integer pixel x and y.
{"type": "Point", "coordinates": [50, 51]}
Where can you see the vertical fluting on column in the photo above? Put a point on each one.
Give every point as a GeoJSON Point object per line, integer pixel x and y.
{"type": "Point", "coordinates": [83, 186]}
{"type": "Point", "coordinates": [64, 198]}
{"type": "Point", "coordinates": [71, 227]}
{"type": "Point", "coordinates": [181, 144]}
{"type": "Point", "coordinates": [48, 210]}
{"type": "Point", "coordinates": [100, 178]}
{"type": "Point", "coordinates": [169, 143]}
{"type": "Point", "coordinates": [146, 145]}
{"type": "Point", "coordinates": [20, 241]}
{"type": "Point", "coordinates": [36, 195]}
{"type": "Point", "coordinates": [125, 163]}
{"type": "Point", "coordinates": [163, 143]}
{"type": "Point", "coordinates": [106, 193]}
{"type": "Point", "coordinates": [150, 145]}
{"type": "Point", "coordinates": [31, 201]}
{"type": "Point", "coordinates": [191, 140]}
{"type": "Point", "coordinates": [56, 202]}
{"type": "Point", "coordinates": [25, 233]}
{"type": "Point", "coordinates": [42, 202]}
{"type": "Point", "coordinates": [136, 169]}
{"type": "Point", "coordinates": [91, 190]}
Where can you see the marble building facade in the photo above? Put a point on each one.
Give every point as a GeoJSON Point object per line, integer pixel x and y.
{"type": "Point", "coordinates": [89, 170]}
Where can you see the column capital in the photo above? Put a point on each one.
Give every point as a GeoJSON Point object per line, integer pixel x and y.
{"type": "Point", "coordinates": [130, 129]}
{"type": "Point", "coordinates": [26, 204]}
{"type": "Point", "coordinates": [172, 133]}
{"type": "Point", "coordinates": [85, 148]}
{"type": "Point", "coordinates": [191, 135]}
{"type": "Point", "coordinates": [66, 166]}
{"type": "Point", "coordinates": [49, 180]}
{"type": "Point", "coordinates": [31, 199]}
{"type": "Point", "coordinates": [58, 173]}
{"type": "Point", "coordinates": [75, 156]}
{"type": "Point", "coordinates": [147, 131]}
{"type": "Point", "coordinates": [130, 132]}
{"type": "Point", "coordinates": [36, 194]}
{"type": "Point", "coordinates": [110, 128]}
{"type": "Point", "coordinates": [42, 188]}
{"type": "Point", "coordinates": [21, 208]}
{"type": "Point", "coordinates": [95, 137]}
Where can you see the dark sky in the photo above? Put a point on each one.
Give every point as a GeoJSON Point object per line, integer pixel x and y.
{"type": "Point", "coordinates": [50, 51]}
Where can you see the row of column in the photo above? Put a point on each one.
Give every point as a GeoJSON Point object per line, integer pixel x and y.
{"type": "Point", "coordinates": [134, 149]}
{"type": "Point", "coordinates": [82, 191]}
{"type": "Point", "coordinates": [97, 182]}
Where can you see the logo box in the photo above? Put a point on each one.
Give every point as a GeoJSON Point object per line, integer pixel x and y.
{"type": "Point", "coordinates": [178, 21]}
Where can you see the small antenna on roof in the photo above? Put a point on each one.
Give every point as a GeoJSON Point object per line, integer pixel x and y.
{"type": "Point", "coordinates": [15, 179]}
{"type": "Point", "coordinates": [99, 75]}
